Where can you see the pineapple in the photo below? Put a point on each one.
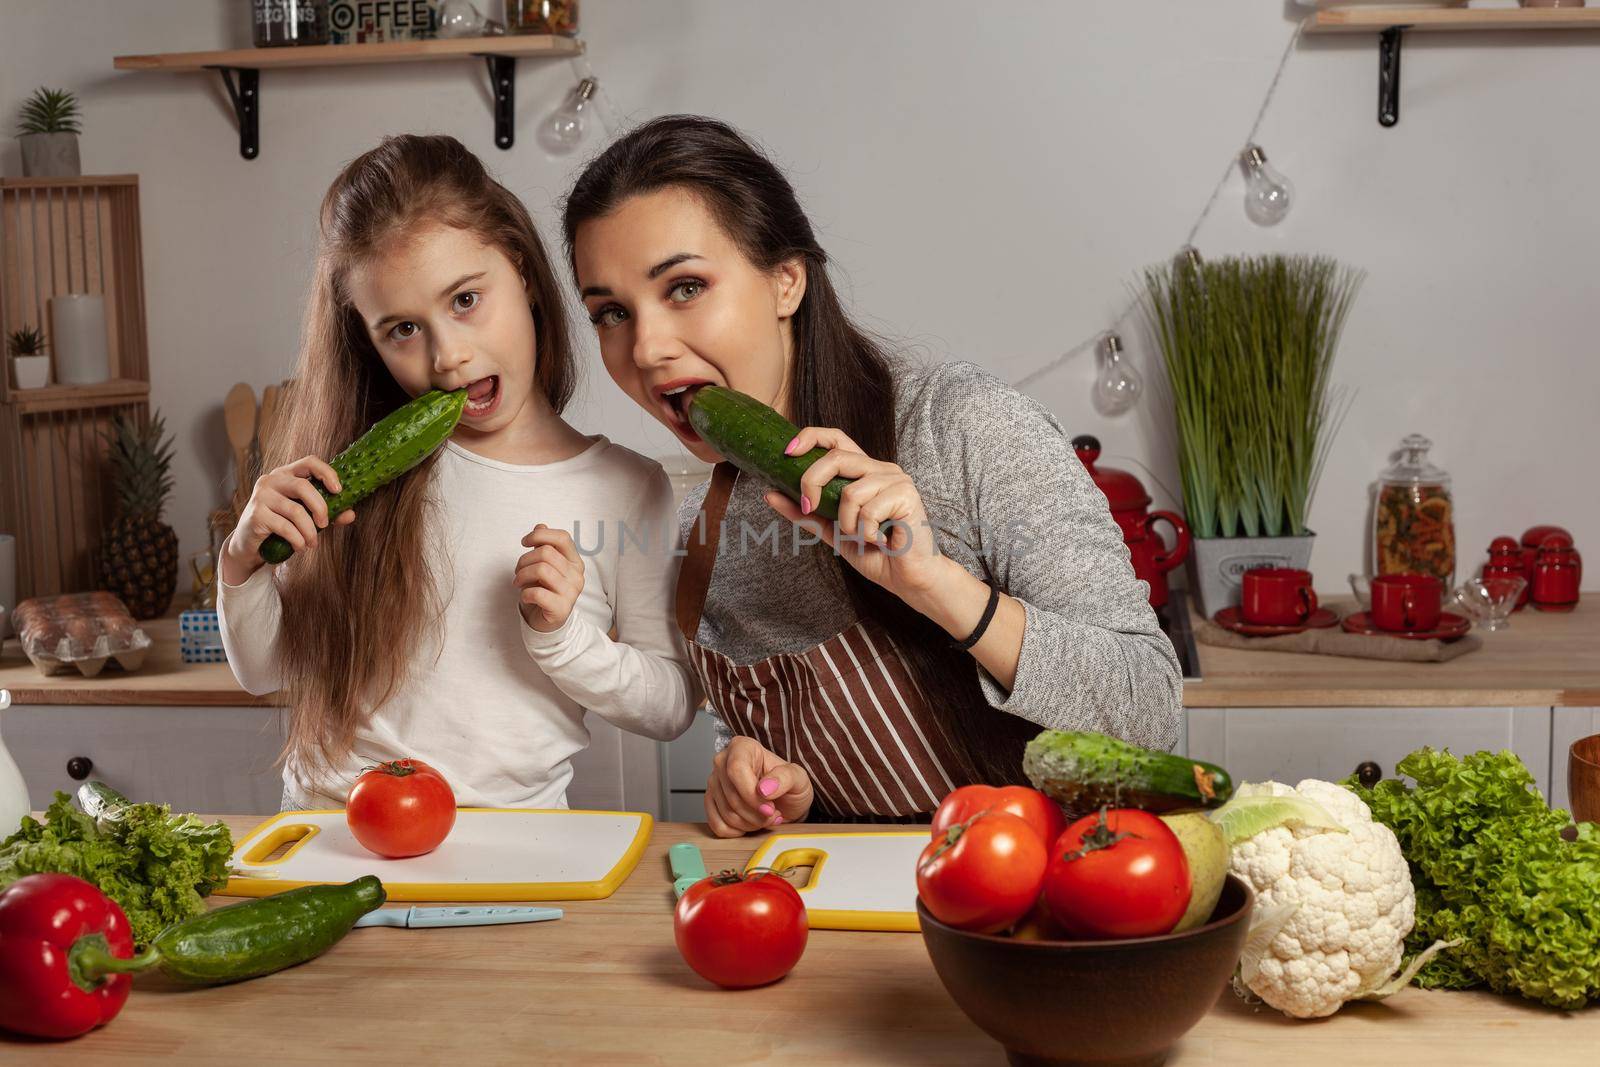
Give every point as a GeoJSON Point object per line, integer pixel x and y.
{"type": "Point", "coordinates": [139, 553]}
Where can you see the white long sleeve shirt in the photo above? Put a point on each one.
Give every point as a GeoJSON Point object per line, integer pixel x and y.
{"type": "Point", "coordinates": [498, 707]}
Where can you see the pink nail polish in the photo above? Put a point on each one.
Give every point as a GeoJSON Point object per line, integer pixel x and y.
{"type": "Point", "coordinates": [805, 505]}
{"type": "Point", "coordinates": [788, 449]}
{"type": "Point", "coordinates": [777, 820]}
{"type": "Point", "coordinates": [767, 809]}
{"type": "Point", "coordinates": [768, 786]}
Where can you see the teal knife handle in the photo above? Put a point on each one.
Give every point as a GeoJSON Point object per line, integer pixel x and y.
{"type": "Point", "coordinates": [688, 867]}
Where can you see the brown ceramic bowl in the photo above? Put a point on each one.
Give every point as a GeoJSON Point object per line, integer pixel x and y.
{"type": "Point", "coordinates": [1583, 779]}
{"type": "Point", "coordinates": [1091, 1002]}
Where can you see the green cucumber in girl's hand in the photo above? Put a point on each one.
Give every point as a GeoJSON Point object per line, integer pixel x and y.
{"type": "Point", "coordinates": [254, 938]}
{"type": "Point", "coordinates": [398, 442]}
{"type": "Point", "coordinates": [752, 436]}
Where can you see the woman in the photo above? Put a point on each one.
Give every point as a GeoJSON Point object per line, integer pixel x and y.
{"type": "Point", "coordinates": [860, 678]}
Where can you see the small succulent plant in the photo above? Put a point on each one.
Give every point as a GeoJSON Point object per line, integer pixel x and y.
{"type": "Point", "coordinates": [49, 111]}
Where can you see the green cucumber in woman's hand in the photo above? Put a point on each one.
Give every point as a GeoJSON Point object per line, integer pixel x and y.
{"type": "Point", "coordinates": [752, 436]}
{"type": "Point", "coordinates": [254, 938]}
{"type": "Point", "coordinates": [395, 444]}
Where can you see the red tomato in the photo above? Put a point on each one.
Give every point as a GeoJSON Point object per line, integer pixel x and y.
{"type": "Point", "coordinates": [1116, 874]}
{"type": "Point", "coordinates": [1029, 805]}
{"type": "Point", "coordinates": [400, 808]}
{"type": "Point", "coordinates": [741, 930]}
{"type": "Point", "coordinates": [983, 874]}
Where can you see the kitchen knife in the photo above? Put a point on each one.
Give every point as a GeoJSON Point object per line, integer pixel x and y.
{"type": "Point", "coordinates": [424, 918]}
{"type": "Point", "coordinates": [688, 867]}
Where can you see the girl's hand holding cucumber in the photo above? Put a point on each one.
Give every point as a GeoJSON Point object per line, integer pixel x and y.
{"type": "Point", "coordinates": [549, 578]}
{"type": "Point", "coordinates": [908, 563]}
{"type": "Point", "coordinates": [284, 502]}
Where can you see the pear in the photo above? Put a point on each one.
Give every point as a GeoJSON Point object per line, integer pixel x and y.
{"type": "Point", "coordinates": [1207, 852]}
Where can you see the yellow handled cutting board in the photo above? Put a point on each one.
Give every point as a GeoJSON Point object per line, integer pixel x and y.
{"type": "Point", "coordinates": [492, 854]}
{"type": "Point", "coordinates": [859, 881]}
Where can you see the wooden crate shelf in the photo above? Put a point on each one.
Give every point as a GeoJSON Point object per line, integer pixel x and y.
{"type": "Point", "coordinates": [61, 236]}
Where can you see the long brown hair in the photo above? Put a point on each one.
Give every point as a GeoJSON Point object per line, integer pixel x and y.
{"type": "Point", "coordinates": [356, 610]}
{"type": "Point", "coordinates": [840, 376]}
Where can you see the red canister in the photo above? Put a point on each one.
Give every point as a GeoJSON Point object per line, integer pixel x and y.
{"type": "Point", "coordinates": [1505, 561]}
{"type": "Point", "coordinates": [1556, 573]}
{"type": "Point", "coordinates": [1152, 559]}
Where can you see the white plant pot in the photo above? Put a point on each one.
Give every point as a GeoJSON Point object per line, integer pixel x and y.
{"type": "Point", "coordinates": [50, 155]}
{"type": "Point", "coordinates": [33, 372]}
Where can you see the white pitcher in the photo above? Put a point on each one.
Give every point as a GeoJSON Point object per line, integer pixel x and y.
{"type": "Point", "coordinates": [13, 792]}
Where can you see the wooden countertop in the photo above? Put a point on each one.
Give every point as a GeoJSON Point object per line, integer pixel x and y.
{"type": "Point", "coordinates": [1541, 660]}
{"type": "Point", "coordinates": [605, 984]}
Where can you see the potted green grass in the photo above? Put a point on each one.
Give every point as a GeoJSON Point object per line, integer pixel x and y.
{"type": "Point", "coordinates": [1247, 344]}
{"type": "Point", "coordinates": [48, 132]}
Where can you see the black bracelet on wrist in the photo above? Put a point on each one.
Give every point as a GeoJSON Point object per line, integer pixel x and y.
{"type": "Point", "coordinates": [983, 623]}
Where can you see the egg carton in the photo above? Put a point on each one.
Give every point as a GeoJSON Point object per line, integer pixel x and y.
{"type": "Point", "coordinates": [80, 631]}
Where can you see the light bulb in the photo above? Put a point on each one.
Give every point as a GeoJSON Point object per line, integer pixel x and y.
{"type": "Point", "coordinates": [459, 18]}
{"type": "Point", "coordinates": [1267, 194]}
{"type": "Point", "coordinates": [561, 132]}
{"type": "Point", "coordinates": [1119, 385]}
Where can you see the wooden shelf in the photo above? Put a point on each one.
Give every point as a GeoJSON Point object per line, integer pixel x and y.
{"type": "Point", "coordinates": [78, 397]}
{"type": "Point", "coordinates": [85, 181]}
{"type": "Point", "coordinates": [1456, 19]}
{"type": "Point", "coordinates": [339, 55]}
{"type": "Point", "coordinates": [499, 53]}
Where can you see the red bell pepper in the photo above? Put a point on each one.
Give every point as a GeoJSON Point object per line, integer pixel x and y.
{"type": "Point", "coordinates": [59, 937]}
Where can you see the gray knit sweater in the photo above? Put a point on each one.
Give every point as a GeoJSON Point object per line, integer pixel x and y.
{"type": "Point", "coordinates": [1011, 503]}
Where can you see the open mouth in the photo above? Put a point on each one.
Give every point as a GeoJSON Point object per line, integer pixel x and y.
{"type": "Point", "coordinates": [675, 398]}
{"type": "Point", "coordinates": [483, 396]}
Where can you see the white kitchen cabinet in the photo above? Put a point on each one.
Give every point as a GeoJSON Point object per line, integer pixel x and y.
{"type": "Point", "coordinates": [686, 763]}
{"type": "Point", "coordinates": [1291, 744]}
{"type": "Point", "coordinates": [1568, 725]}
{"type": "Point", "coordinates": [223, 760]}
{"type": "Point", "coordinates": [205, 759]}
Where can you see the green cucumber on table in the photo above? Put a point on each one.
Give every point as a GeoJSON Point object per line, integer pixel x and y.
{"type": "Point", "coordinates": [1084, 771]}
{"type": "Point", "coordinates": [752, 437]}
{"type": "Point", "coordinates": [254, 938]}
{"type": "Point", "coordinates": [395, 443]}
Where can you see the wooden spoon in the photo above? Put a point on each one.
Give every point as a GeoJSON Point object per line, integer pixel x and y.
{"type": "Point", "coordinates": [270, 397]}
{"type": "Point", "coordinates": [239, 416]}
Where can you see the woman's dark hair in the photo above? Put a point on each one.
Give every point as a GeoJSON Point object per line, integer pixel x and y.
{"type": "Point", "coordinates": [840, 376]}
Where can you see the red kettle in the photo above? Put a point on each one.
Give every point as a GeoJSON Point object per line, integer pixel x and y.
{"type": "Point", "coordinates": [1152, 559]}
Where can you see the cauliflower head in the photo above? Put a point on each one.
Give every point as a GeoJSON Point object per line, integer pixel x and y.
{"type": "Point", "coordinates": [1344, 899]}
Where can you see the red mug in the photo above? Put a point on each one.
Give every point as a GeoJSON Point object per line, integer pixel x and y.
{"type": "Point", "coordinates": [1277, 596]}
{"type": "Point", "coordinates": [1406, 603]}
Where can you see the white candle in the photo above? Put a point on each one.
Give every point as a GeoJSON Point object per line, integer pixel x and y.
{"type": "Point", "coordinates": [78, 338]}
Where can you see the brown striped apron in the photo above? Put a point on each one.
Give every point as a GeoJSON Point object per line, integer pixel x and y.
{"type": "Point", "coordinates": [846, 710]}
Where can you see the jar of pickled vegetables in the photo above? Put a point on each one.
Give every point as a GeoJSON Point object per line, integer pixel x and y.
{"type": "Point", "coordinates": [1414, 520]}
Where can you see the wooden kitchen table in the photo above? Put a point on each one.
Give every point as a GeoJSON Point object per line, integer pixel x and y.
{"type": "Point", "coordinates": [605, 985]}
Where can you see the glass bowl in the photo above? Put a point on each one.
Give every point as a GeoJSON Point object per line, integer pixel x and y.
{"type": "Point", "coordinates": [1490, 601]}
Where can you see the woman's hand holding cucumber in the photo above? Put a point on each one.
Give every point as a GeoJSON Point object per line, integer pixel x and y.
{"type": "Point", "coordinates": [909, 563]}
{"type": "Point", "coordinates": [549, 578]}
{"type": "Point", "coordinates": [752, 788]}
{"type": "Point", "coordinates": [284, 502]}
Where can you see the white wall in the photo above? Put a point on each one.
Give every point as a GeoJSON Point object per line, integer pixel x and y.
{"type": "Point", "coordinates": [989, 177]}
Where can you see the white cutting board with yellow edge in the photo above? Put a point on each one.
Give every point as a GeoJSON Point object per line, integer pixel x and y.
{"type": "Point", "coordinates": [859, 881]}
{"type": "Point", "coordinates": [492, 854]}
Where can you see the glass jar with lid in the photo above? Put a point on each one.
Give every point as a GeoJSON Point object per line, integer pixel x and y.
{"type": "Point", "coordinates": [1413, 527]}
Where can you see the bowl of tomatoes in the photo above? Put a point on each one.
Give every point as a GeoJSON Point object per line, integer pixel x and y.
{"type": "Point", "coordinates": [1090, 943]}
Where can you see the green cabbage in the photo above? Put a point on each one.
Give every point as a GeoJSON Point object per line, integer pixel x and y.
{"type": "Point", "coordinates": [1490, 867]}
{"type": "Point", "coordinates": [157, 865]}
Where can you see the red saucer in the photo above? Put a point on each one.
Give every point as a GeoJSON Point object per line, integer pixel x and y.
{"type": "Point", "coordinates": [1451, 626]}
{"type": "Point", "coordinates": [1229, 619]}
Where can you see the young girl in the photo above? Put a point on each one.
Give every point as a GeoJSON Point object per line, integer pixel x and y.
{"type": "Point", "coordinates": [860, 679]}
{"type": "Point", "coordinates": [450, 617]}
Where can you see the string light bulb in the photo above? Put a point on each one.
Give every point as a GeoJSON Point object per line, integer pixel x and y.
{"type": "Point", "coordinates": [1267, 193]}
{"type": "Point", "coordinates": [1119, 385]}
{"type": "Point", "coordinates": [562, 131]}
